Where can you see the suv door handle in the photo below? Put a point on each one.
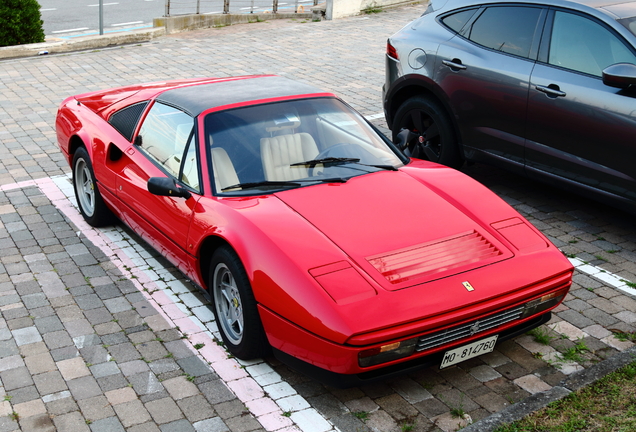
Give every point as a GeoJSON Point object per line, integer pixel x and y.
{"type": "Point", "coordinates": [551, 91]}
{"type": "Point", "coordinates": [455, 64]}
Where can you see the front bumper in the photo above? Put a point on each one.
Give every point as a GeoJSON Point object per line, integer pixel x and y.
{"type": "Point", "coordinates": [340, 380]}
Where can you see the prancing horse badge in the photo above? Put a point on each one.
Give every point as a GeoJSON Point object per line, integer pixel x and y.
{"type": "Point", "coordinates": [468, 286]}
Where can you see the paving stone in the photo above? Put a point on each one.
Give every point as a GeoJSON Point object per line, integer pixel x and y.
{"type": "Point", "coordinates": [132, 413]}
{"type": "Point", "coordinates": [71, 422]}
{"type": "Point", "coordinates": [196, 408]}
{"type": "Point", "coordinates": [50, 382]}
{"type": "Point", "coordinates": [164, 410]}
{"type": "Point", "coordinates": [84, 388]}
{"type": "Point", "coordinates": [39, 423]}
{"type": "Point", "coordinates": [96, 408]}
{"type": "Point", "coordinates": [110, 424]}
{"type": "Point", "coordinates": [210, 425]}
{"type": "Point", "coordinates": [16, 378]}
{"type": "Point", "coordinates": [216, 392]}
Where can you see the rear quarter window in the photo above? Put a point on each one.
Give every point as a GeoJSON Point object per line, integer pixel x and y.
{"type": "Point", "coordinates": [125, 120]}
{"type": "Point", "coordinates": [456, 21]}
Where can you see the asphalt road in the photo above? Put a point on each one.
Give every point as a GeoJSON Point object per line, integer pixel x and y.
{"type": "Point", "coordinates": [66, 19]}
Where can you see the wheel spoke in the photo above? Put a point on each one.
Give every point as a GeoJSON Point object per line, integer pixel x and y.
{"type": "Point", "coordinates": [430, 153]}
{"type": "Point", "coordinates": [228, 305]}
{"type": "Point", "coordinates": [432, 132]}
{"type": "Point", "coordinates": [416, 117]}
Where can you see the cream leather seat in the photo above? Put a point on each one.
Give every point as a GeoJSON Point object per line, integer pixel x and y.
{"type": "Point", "coordinates": [280, 151]}
{"type": "Point", "coordinates": [223, 168]}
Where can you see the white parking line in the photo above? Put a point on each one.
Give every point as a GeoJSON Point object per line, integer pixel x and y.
{"type": "Point", "coordinates": [374, 116]}
{"type": "Point", "coordinates": [105, 4]}
{"type": "Point", "coordinates": [48, 9]}
{"type": "Point", "coordinates": [604, 276]}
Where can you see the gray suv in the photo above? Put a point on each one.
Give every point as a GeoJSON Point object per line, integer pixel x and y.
{"type": "Point", "coordinates": [544, 88]}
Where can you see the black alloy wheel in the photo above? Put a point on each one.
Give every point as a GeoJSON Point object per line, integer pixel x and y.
{"type": "Point", "coordinates": [436, 140]}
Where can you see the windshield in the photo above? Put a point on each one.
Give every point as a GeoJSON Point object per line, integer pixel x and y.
{"type": "Point", "coordinates": [272, 147]}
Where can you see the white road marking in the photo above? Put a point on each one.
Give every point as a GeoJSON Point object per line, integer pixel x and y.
{"type": "Point", "coordinates": [49, 9]}
{"type": "Point", "coordinates": [128, 23]}
{"type": "Point", "coordinates": [105, 4]}
{"type": "Point", "coordinates": [71, 30]}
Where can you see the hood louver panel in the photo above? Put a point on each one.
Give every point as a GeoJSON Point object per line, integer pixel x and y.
{"type": "Point", "coordinates": [434, 257]}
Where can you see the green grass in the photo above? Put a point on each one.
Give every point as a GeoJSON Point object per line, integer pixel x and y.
{"type": "Point", "coordinates": [574, 353]}
{"type": "Point", "coordinates": [623, 336]}
{"type": "Point", "coordinates": [541, 335]}
{"type": "Point", "coordinates": [362, 415]}
{"type": "Point", "coordinates": [607, 405]}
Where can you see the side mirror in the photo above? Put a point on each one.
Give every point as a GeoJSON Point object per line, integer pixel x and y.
{"type": "Point", "coordinates": [620, 75]}
{"type": "Point", "coordinates": [137, 141]}
{"type": "Point", "coordinates": [164, 186]}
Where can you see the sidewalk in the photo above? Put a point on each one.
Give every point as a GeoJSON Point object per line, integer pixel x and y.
{"type": "Point", "coordinates": [98, 333]}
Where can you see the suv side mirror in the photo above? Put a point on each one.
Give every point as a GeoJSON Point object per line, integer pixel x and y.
{"type": "Point", "coordinates": [620, 75]}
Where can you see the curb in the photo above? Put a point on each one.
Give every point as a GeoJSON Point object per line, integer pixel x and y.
{"type": "Point", "coordinates": [574, 382]}
{"type": "Point", "coordinates": [81, 43]}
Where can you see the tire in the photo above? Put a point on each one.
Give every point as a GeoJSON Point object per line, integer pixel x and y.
{"type": "Point", "coordinates": [89, 200]}
{"type": "Point", "coordinates": [428, 119]}
{"type": "Point", "coordinates": [235, 307]}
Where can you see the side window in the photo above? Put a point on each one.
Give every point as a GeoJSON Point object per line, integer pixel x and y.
{"type": "Point", "coordinates": [166, 136]}
{"type": "Point", "coordinates": [583, 45]}
{"type": "Point", "coordinates": [458, 20]}
{"type": "Point", "coordinates": [508, 29]}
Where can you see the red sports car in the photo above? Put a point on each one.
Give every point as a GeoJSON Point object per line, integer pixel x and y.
{"type": "Point", "coordinates": [313, 235]}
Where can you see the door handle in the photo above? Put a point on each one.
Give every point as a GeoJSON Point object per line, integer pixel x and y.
{"type": "Point", "coordinates": [455, 64]}
{"type": "Point", "coordinates": [551, 91]}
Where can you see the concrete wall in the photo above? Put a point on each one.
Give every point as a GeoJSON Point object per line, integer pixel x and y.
{"type": "Point", "coordinates": [344, 8]}
{"type": "Point", "coordinates": [177, 23]}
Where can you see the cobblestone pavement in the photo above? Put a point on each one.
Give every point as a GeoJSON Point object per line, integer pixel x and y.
{"type": "Point", "coordinates": [99, 333]}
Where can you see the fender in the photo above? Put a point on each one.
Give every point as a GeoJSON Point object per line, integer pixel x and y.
{"type": "Point", "coordinates": [411, 85]}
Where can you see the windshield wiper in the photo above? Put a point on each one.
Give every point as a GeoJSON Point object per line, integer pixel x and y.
{"type": "Point", "coordinates": [294, 183]}
{"type": "Point", "coordinates": [332, 161]}
{"type": "Point", "coordinates": [326, 161]}
{"type": "Point", "coordinates": [266, 183]}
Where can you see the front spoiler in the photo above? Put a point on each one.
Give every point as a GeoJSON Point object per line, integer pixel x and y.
{"type": "Point", "coordinates": [344, 381]}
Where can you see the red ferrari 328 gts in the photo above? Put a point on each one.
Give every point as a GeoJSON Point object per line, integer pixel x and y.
{"type": "Point", "coordinates": [313, 235]}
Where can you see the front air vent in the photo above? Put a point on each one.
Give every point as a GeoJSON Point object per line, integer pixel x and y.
{"type": "Point", "coordinates": [468, 329]}
{"type": "Point", "coordinates": [434, 257]}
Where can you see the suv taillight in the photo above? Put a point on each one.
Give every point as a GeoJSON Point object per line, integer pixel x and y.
{"type": "Point", "coordinates": [391, 52]}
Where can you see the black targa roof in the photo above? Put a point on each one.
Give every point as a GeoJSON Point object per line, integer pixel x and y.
{"type": "Point", "coordinates": [197, 98]}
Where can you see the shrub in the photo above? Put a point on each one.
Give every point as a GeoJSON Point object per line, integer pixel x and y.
{"type": "Point", "coordinates": [21, 22]}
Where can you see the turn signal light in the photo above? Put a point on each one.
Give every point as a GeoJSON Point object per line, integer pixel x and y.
{"type": "Point", "coordinates": [386, 353]}
{"type": "Point", "coordinates": [543, 303]}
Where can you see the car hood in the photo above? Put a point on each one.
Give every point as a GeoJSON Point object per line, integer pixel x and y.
{"type": "Point", "coordinates": [400, 231]}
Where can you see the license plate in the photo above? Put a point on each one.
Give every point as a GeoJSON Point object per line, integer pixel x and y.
{"type": "Point", "coordinates": [469, 351]}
